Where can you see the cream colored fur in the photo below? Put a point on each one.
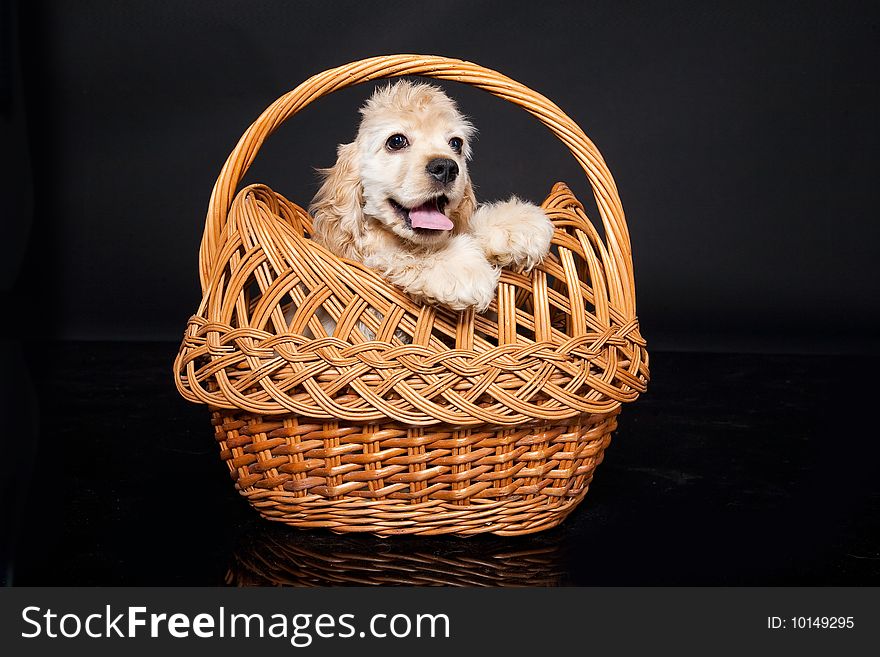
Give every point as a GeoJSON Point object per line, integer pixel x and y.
{"type": "Point", "coordinates": [355, 219]}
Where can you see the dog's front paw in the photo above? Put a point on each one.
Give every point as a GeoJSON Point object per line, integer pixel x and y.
{"type": "Point", "coordinates": [470, 287]}
{"type": "Point", "coordinates": [459, 277]}
{"type": "Point", "coordinates": [513, 233]}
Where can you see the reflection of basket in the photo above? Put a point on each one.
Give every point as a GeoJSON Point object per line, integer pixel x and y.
{"type": "Point", "coordinates": [473, 423]}
{"type": "Point", "coordinates": [283, 559]}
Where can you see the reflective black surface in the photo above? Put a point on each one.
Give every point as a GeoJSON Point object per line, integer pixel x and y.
{"type": "Point", "coordinates": [732, 470]}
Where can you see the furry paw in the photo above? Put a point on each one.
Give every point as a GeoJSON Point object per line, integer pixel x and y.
{"type": "Point", "coordinates": [458, 276]}
{"type": "Point", "coordinates": [512, 233]}
{"type": "Point", "coordinates": [472, 286]}
{"type": "Point", "coordinates": [463, 278]}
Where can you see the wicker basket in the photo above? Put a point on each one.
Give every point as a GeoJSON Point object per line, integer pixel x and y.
{"type": "Point", "coordinates": [472, 423]}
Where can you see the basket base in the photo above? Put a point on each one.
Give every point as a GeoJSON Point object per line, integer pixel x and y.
{"type": "Point", "coordinates": [389, 480]}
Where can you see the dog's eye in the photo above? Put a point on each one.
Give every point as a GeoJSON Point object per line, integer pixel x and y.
{"type": "Point", "coordinates": [455, 144]}
{"type": "Point", "coordinates": [396, 142]}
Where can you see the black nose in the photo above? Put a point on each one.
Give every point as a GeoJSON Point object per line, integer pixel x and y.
{"type": "Point", "coordinates": [443, 170]}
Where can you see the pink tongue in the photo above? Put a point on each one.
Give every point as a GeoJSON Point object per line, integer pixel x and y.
{"type": "Point", "coordinates": [428, 216]}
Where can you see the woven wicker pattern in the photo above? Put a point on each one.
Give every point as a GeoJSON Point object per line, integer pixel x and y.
{"type": "Point", "coordinates": [410, 418]}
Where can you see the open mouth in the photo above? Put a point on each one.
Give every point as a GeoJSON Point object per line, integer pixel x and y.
{"type": "Point", "coordinates": [427, 217]}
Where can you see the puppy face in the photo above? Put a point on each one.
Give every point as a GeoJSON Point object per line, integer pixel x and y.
{"type": "Point", "coordinates": [412, 152]}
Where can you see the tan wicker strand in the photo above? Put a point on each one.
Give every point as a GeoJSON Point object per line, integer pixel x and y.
{"type": "Point", "coordinates": [409, 418]}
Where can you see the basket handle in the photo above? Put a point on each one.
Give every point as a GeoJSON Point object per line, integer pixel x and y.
{"type": "Point", "coordinates": [442, 68]}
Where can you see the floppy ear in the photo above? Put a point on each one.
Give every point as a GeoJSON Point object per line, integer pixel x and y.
{"type": "Point", "coordinates": [338, 205]}
{"type": "Point", "coordinates": [461, 216]}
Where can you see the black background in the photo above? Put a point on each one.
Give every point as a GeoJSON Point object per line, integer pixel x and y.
{"type": "Point", "coordinates": [742, 137]}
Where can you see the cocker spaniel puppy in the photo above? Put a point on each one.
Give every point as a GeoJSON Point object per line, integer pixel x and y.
{"type": "Point", "coordinates": [400, 201]}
